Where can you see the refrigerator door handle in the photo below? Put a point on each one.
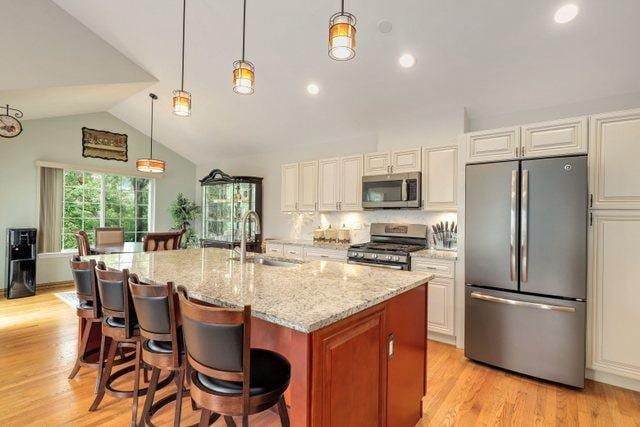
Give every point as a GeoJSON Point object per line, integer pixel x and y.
{"type": "Point", "coordinates": [524, 232]}
{"type": "Point", "coordinates": [484, 297]}
{"type": "Point", "coordinates": [512, 243]}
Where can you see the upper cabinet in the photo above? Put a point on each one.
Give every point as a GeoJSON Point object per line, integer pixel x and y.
{"type": "Point", "coordinates": [351, 183]}
{"type": "Point", "coordinates": [385, 162]}
{"type": "Point", "coordinates": [554, 138]}
{"type": "Point", "coordinates": [440, 178]}
{"type": "Point", "coordinates": [492, 145]}
{"type": "Point", "coordinates": [614, 144]}
{"type": "Point", "coordinates": [289, 188]}
{"type": "Point", "coordinates": [308, 186]}
{"type": "Point", "coordinates": [340, 184]}
{"type": "Point", "coordinates": [544, 139]}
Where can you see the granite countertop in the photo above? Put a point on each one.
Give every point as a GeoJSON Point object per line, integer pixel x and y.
{"type": "Point", "coordinates": [436, 254]}
{"type": "Point", "coordinates": [315, 244]}
{"type": "Point", "coordinates": [306, 297]}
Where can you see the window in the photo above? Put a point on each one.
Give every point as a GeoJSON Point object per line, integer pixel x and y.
{"type": "Point", "coordinates": [94, 200]}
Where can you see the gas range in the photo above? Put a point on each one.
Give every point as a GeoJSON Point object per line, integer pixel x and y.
{"type": "Point", "coordinates": [390, 246]}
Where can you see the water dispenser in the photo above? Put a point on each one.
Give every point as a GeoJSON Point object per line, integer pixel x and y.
{"type": "Point", "coordinates": [21, 262]}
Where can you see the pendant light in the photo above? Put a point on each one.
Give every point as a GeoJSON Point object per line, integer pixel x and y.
{"type": "Point", "coordinates": [182, 98]}
{"type": "Point", "coordinates": [342, 35]}
{"type": "Point", "coordinates": [243, 71]}
{"type": "Point", "coordinates": [150, 164]}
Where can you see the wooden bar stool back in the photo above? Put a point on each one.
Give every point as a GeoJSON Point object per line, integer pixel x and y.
{"type": "Point", "coordinates": [119, 325]}
{"type": "Point", "coordinates": [165, 241]}
{"type": "Point", "coordinates": [229, 377]}
{"type": "Point", "coordinates": [88, 310]}
{"type": "Point", "coordinates": [156, 307]}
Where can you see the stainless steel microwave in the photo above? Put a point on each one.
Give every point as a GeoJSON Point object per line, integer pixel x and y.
{"type": "Point", "coordinates": [393, 191]}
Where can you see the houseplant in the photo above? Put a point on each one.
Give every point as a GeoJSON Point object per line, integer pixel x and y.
{"type": "Point", "coordinates": [184, 212]}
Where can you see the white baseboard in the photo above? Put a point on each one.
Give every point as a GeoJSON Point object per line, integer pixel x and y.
{"type": "Point", "coordinates": [446, 339]}
{"type": "Point", "coordinates": [613, 379]}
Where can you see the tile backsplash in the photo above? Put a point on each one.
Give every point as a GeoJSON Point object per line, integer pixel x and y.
{"type": "Point", "coordinates": [301, 225]}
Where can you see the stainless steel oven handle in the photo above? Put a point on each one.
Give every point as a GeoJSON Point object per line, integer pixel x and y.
{"type": "Point", "coordinates": [512, 231]}
{"type": "Point", "coordinates": [524, 232]}
{"type": "Point", "coordinates": [368, 264]}
{"type": "Point", "coordinates": [404, 190]}
{"type": "Point", "coordinates": [564, 308]}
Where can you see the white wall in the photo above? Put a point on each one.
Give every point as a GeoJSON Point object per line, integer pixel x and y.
{"type": "Point", "coordinates": [60, 140]}
{"type": "Point", "coordinates": [439, 129]}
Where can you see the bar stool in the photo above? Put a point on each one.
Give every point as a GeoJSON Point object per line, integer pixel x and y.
{"type": "Point", "coordinates": [228, 377]}
{"type": "Point", "coordinates": [88, 311]}
{"type": "Point", "coordinates": [119, 324]}
{"type": "Point", "coordinates": [156, 308]}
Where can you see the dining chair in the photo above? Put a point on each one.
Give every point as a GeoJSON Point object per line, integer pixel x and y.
{"type": "Point", "coordinates": [156, 308]}
{"type": "Point", "coordinates": [109, 236]}
{"type": "Point", "coordinates": [227, 377]}
{"type": "Point", "coordinates": [162, 241]}
{"type": "Point", "coordinates": [82, 239]}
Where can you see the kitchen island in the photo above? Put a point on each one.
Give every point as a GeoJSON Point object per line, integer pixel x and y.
{"type": "Point", "coordinates": [355, 335]}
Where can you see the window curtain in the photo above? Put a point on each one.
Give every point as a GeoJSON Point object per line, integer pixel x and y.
{"type": "Point", "coordinates": [51, 196]}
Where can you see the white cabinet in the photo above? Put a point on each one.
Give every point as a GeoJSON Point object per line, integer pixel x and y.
{"type": "Point", "coordinates": [340, 184]}
{"type": "Point", "coordinates": [614, 293]}
{"type": "Point", "coordinates": [377, 163]}
{"type": "Point", "coordinates": [308, 186]}
{"type": "Point", "coordinates": [440, 294]}
{"type": "Point", "coordinates": [289, 188]}
{"type": "Point", "coordinates": [614, 146]}
{"type": "Point", "coordinates": [293, 251]}
{"type": "Point", "coordinates": [351, 183]}
{"type": "Point", "coordinates": [328, 184]}
{"type": "Point", "coordinates": [403, 161]}
{"type": "Point", "coordinates": [313, 253]}
{"type": "Point", "coordinates": [554, 138]}
{"type": "Point", "coordinates": [400, 161]}
{"type": "Point", "coordinates": [440, 178]}
{"type": "Point", "coordinates": [492, 145]}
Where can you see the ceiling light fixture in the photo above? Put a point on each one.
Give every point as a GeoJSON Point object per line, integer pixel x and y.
{"type": "Point", "coordinates": [313, 89]}
{"type": "Point", "coordinates": [243, 71]}
{"type": "Point", "coordinates": [150, 164]}
{"type": "Point", "coordinates": [342, 35]}
{"type": "Point", "coordinates": [182, 98]}
{"type": "Point", "coordinates": [566, 13]}
{"type": "Point", "coordinates": [407, 60]}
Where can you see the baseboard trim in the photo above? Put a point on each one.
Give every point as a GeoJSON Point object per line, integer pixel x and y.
{"type": "Point", "coordinates": [446, 339]}
{"type": "Point", "coordinates": [42, 287]}
{"type": "Point", "coordinates": [613, 379]}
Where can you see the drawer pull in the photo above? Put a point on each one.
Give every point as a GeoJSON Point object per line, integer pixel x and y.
{"type": "Point", "coordinates": [293, 252]}
{"type": "Point", "coordinates": [518, 303]}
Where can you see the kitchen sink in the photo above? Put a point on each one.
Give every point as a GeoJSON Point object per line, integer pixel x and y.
{"type": "Point", "coordinates": [272, 262]}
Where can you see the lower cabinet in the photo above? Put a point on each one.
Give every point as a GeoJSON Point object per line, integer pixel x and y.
{"type": "Point", "coordinates": [274, 249]}
{"type": "Point", "coordinates": [614, 294]}
{"type": "Point", "coordinates": [302, 251]}
{"type": "Point", "coordinates": [441, 294]}
{"type": "Point", "coordinates": [311, 252]}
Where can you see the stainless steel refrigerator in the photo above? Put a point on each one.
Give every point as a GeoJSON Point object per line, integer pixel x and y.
{"type": "Point", "coordinates": [526, 266]}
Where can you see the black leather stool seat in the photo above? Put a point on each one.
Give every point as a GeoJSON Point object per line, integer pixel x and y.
{"type": "Point", "coordinates": [114, 322]}
{"type": "Point", "coordinates": [162, 347]}
{"type": "Point", "coordinates": [85, 305]}
{"type": "Point", "coordinates": [269, 371]}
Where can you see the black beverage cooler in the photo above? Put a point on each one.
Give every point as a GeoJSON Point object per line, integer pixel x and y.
{"type": "Point", "coordinates": [21, 262]}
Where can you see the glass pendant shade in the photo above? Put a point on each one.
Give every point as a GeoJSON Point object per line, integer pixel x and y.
{"type": "Point", "coordinates": [181, 103]}
{"type": "Point", "coordinates": [150, 165]}
{"type": "Point", "coordinates": [243, 77]}
{"type": "Point", "coordinates": [342, 36]}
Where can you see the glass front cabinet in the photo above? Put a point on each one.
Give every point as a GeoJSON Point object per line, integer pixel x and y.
{"type": "Point", "coordinates": [225, 201]}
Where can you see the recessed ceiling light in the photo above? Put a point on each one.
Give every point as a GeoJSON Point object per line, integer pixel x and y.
{"type": "Point", "coordinates": [385, 26]}
{"type": "Point", "coordinates": [313, 89]}
{"type": "Point", "coordinates": [566, 13]}
{"type": "Point", "coordinates": [407, 60]}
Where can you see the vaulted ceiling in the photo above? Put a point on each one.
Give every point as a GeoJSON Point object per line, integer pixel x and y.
{"type": "Point", "coordinates": [492, 57]}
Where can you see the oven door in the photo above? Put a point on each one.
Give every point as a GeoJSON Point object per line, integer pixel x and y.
{"type": "Point", "coordinates": [391, 191]}
{"type": "Point", "coordinates": [392, 266]}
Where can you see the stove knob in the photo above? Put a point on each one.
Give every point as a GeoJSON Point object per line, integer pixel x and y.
{"type": "Point", "coordinates": [396, 258]}
{"type": "Point", "coordinates": [389, 257]}
{"type": "Point", "coordinates": [374, 256]}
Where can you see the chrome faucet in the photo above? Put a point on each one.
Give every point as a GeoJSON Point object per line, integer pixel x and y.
{"type": "Point", "coordinates": [243, 240]}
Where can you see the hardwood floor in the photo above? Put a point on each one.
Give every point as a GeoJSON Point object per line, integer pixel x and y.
{"type": "Point", "coordinates": [37, 350]}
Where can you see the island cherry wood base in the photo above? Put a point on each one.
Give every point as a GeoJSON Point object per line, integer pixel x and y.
{"type": "Point", "coordinates": [342, 375]}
